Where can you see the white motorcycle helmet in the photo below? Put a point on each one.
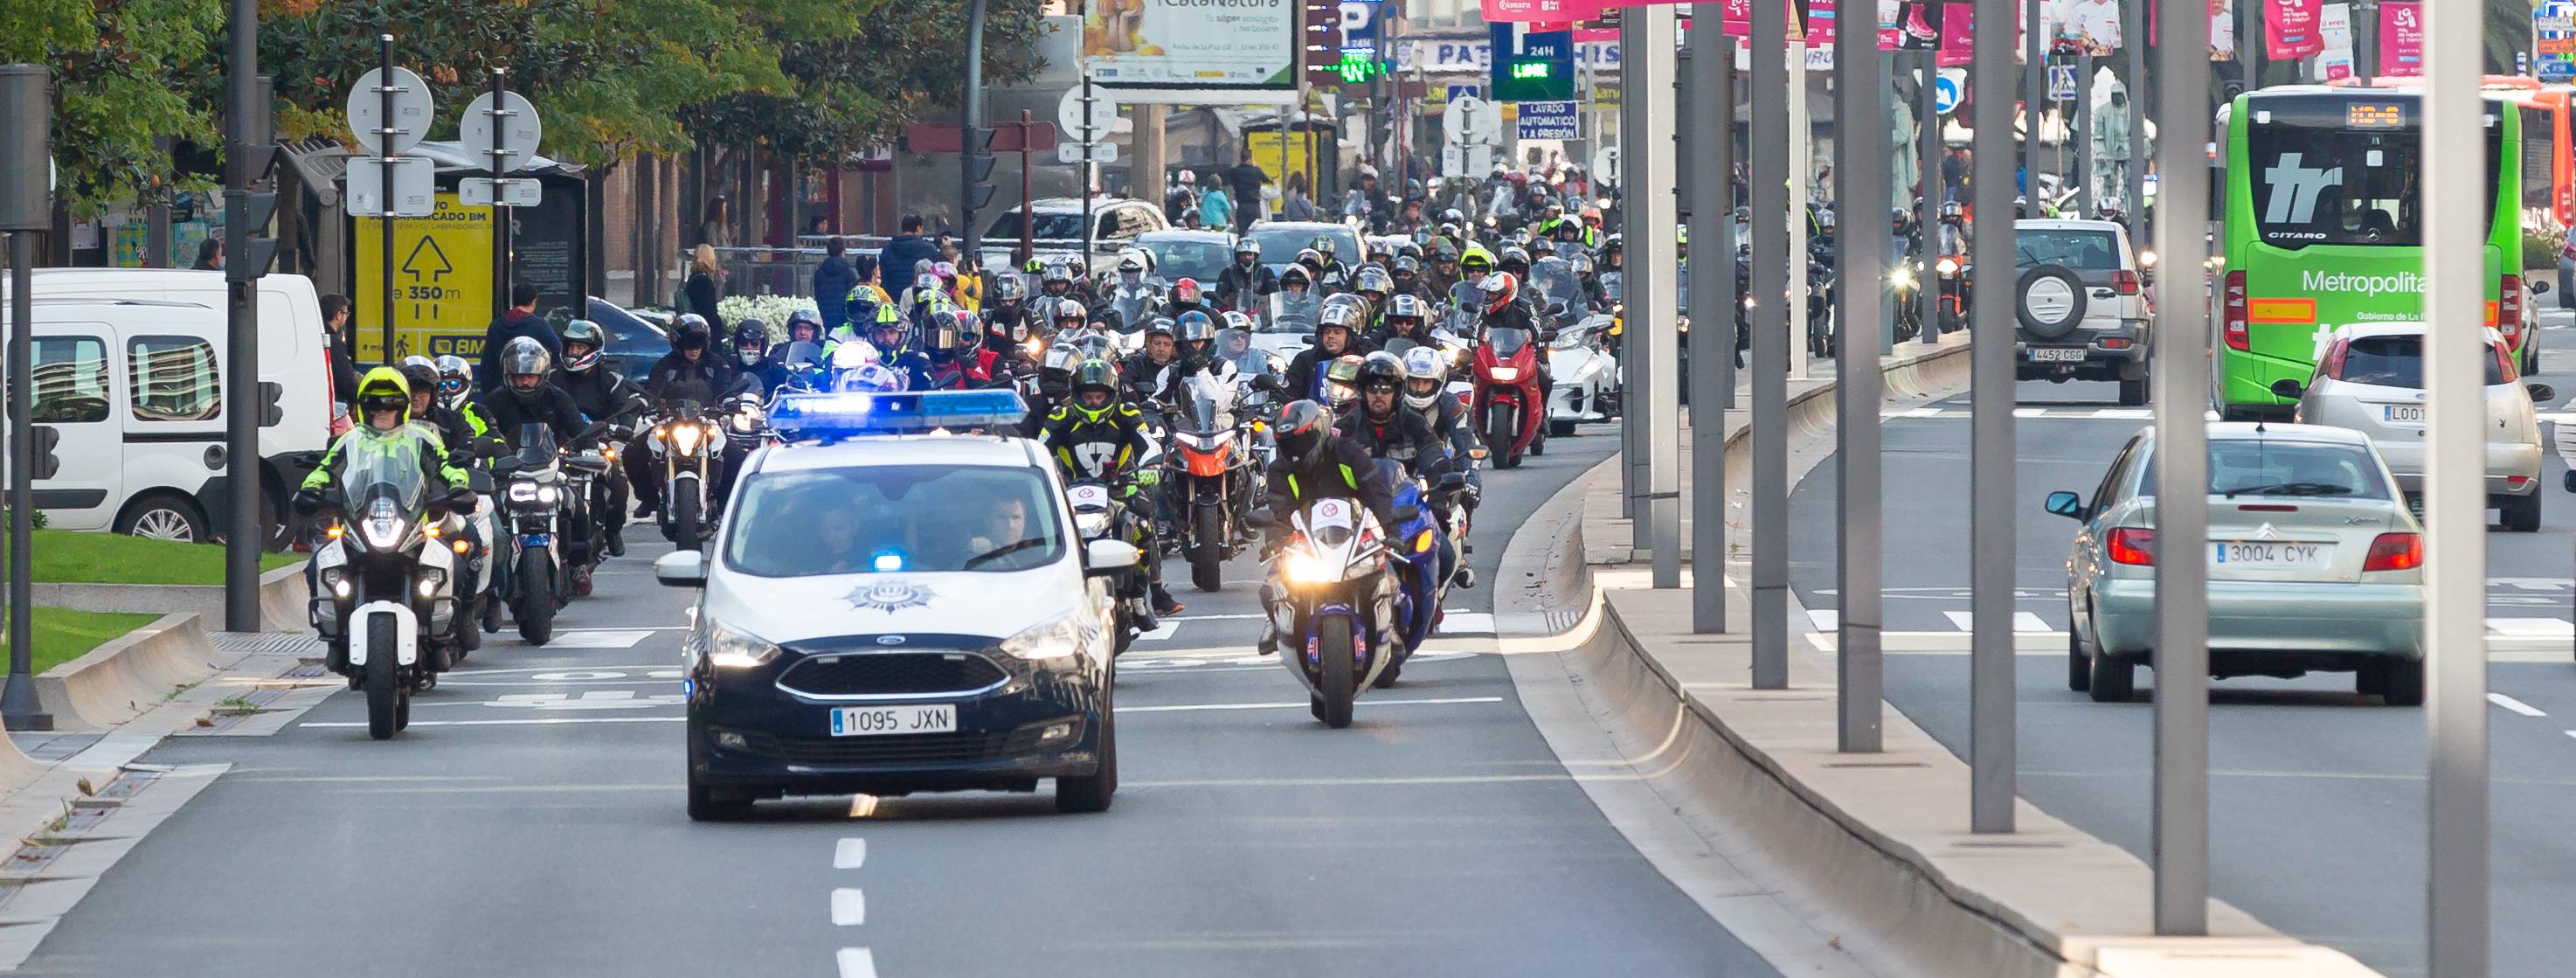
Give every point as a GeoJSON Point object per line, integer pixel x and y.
{"type": "Point", "coordinates": [1426, 376]}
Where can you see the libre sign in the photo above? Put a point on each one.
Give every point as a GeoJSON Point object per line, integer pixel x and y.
{"type": "Point", "coordinates": [1532, 66]}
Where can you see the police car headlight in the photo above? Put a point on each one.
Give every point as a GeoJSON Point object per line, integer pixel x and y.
{"type": "Point", "coordinates": [730, 649]}
{"type": "Point", "coordinates": [1056, 638]}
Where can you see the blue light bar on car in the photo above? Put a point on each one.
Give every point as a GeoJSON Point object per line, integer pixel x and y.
{"type": "Point", "coordinates": [845, 415]}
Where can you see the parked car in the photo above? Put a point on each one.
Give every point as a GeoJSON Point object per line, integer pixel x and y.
{"type": "Point", "coordinates": [2370, 379]}
{"type": "Point", "coordinates": [1058, 220]}
{"type": "Point", "coordinates": [2079, 295]}
{"type": "Point", "coordinates": [1282, 240]}
{"type": "Point", "coordinates": [635, 342]}
{"type": "Point", "coordinates": [2315, 564]}
{"type": "Point", "coordinates": [1180, 253]}
{"type": "Point", "coordinates": [129, 400]}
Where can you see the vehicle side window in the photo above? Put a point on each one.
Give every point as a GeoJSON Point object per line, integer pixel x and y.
{"type": "Point", "coordinates": [71, 380]}
{"type": "Point", "coordinates": [1109, 223]}
{"type": "Point", "coordinates": [2119, 474]}
{"type": "Point", "coordinates": [173, 379]}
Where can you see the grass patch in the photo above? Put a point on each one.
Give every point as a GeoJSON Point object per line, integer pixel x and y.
{"type": "Point", "coordinates": [63, 634]}
{"type": "Point", "coordinates": [69, 557]}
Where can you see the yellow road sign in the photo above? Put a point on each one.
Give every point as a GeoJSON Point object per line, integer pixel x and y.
{"type": "Point", "coordinates": [442, 283]}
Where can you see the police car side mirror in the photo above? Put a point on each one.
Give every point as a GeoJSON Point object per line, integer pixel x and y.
{"type": "Point", "coordinates": [1102, 557]}
{"type": "Point", "coordinates": [681, 568]}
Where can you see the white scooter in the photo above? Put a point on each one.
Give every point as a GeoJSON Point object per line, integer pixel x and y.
{"type": "Point", "coordinates": [1587, 376]}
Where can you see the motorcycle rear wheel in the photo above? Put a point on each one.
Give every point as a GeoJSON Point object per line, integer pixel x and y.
{"type": "Point", "coordinates": [1337, 684]}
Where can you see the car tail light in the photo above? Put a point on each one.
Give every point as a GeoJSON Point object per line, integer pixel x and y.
{"type": "Point", "coordinates": [2516, 482]}
{"type": "Point", "coordinates": [2395, 552]}
{"type": "Point", "coordinates": [2133, 546]}
{"type": "Point", "coordinates": [2509, 308]}
{"type": "Point", "coordinates": [2115, 343]}
{"type": "Point", "coordinates": [2124, 282]}
{"type": "Point", "coordinates": [2237, 337]}
{"type": "Point", "coordinates": [2332, 367]}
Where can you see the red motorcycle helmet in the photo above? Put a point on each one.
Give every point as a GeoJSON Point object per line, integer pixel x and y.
{"type": "Point", "coordinates": [1185, 290]}
{"type": "Point", "coordinates": [1499, 289]}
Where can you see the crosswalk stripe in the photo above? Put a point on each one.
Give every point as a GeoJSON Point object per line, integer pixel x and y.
{"type": "Point", "coordinates": [2532, 627]}
{"type": "Point", "coordinates": [2023, 621]}
{"type": "Point", "coordinates": [1826, 621]}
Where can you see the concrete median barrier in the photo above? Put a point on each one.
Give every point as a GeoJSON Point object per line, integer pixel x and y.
{"type": "Point", "coordinates": [282, 593]}
{"type": "Point", "coordinates": [120, 680]}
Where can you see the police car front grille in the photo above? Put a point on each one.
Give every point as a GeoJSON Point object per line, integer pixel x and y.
{"type": "Point", "coordinates": [898, 750]}
{"type": "Point", "coordinates": [892, 674]}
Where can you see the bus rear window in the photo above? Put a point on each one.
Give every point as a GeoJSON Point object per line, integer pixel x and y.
{"type": "Point", "coordinates": [2318, 185]}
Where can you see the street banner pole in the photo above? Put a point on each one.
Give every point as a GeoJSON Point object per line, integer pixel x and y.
{"type": "Point", "coordinates": [385, 224]}
{"type": "Point", "coordinates": [2455, 654]}
{"type": "Point", "coordinates": [1770, 362]}
{"type": "Point", "coordinates": [1860, 185]}
{"type": "Point", "coordinates": [1927, 219]}
{"type": "Point", "coordinates": [500, 214]}
{"type": "Point", "coordinates": [1653, 202]}
{"type": "Point", "coordinates": [1990, 453]}
{"type": "Point", "coordinates": [2181, 394]}
{"type": "Point", "coordinates": [1642, 275]}
{"type": "Point", "coordinates": [1711, 125]}
{"type": "Point", "coordinates": [2134, 12]}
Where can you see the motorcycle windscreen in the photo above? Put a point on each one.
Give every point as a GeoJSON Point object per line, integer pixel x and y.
{"type": "Point", "coordinates": [536, 446]}
{"type": "Point", "coordinates": [1506, 341]}
{"type": "Point", "coordinates": [382, 465]}
{"type": "Point", "coordinates": [1209, 407]}
{"type": "Point", "coordinates": [1555, 279]}
{"type": "Point", "coordinates": [1331, 522]}
{"type": "Point", "coordinates": [1291, 313]}
{"type": "Point", "coordinates": [1397, 346]}
{"type": "Point", "coordinates": [1611, 282]}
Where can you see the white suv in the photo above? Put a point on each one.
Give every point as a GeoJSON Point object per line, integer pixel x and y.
{"type": "Point", "coordinates": [2079, 294]}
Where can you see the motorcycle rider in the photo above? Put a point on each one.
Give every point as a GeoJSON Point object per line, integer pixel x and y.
{"type": "Point", "coordinates": [1313, 462]}
{"type": "Point", "coordinates": [1095, 436]}
{"type": "Point", "coordinates": [958, 359]}
{"type": "Point", "coordinates": [1186, 298]}
{"type": "Point", "coordinates": [1337, 332]}
{"type": "Point", "coordinates": [1331, 275]}
{"type": "Point", "coordinates": [1243, 284]}
{"type": "Point", "coordinates": [1382, 425]}
{"type": "Point", "coordinates": [456, 393]}
{"type": "Point", "coordinates": [1426, 382]}
{"type": "Point", "coordinates": [1196, 352]}
{"type": "Point", "coordinates": [1403, 320]}
{"type": "Point", "coordinates": [1444, 272]}
{"type": "Point", "coordinates": [755, 371]}
{"type": "Point", "coordinates": [1506, 307]}
{"type": "Point", "coordinates": [688, 372]}
{"type": "Point", "coordinates": [383, 423]}
{"type": "Point", "coordinates": [893, 341]}
{"type": "Point", "coordinates": [1143, 370]}
{"type": "Point", "coordinates": [1234, 345]}
{"type": "Point", "coordinates": [420, 375]}
{"type": "Point", "coordinates": [1008, 319]}
{"type": "Point", "coordinates": [603, 394]}
{"type": "Point", "coordinates": [528, 397]}
{"type": "Point", "coordinates": [1296, 282]}
{"type": "Point", "coordinates": [1407, 275]}
{"type": "Point", "coordinates": [1372, 283]}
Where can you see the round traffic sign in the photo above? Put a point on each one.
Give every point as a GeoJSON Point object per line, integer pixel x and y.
{"type": "Point", "coordinates": [412, 110]}
{"type": "Point", "coordinates": [1945, 94]}
{"type": "Point", "coordinates": [519, 130]}
{"type": "Point", "coordinates": [1104, 115]}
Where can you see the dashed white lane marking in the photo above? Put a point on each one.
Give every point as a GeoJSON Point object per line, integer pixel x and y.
{"type": "Point", "coordinates": [856, 962]}
{"type": "Point", "coordinates": [1467, 623]}
{"type": "Point", "coordinates": [532, 721]}
{"type": "Point", "coordinates": [1180, 707]}
{"type": "Point", "coordinates": [2531, 627]}
{"type": "Point", "coordinates": [849, 907]}
{"type": "Point", "coordinates": [607, 639]}
{"type": "Point", "coordinates": [1162, 630]}
{"type": "Point", "coordinates": [2515, 705]}
{"type": "Point", "coordinates": [850, 853]}
{"type": "Point", "coordinates": [1827, 620]}
{"type": "Point", "coordinates": [1210, 617]}
{"type": "Point", "coordinates": [2023, 621]}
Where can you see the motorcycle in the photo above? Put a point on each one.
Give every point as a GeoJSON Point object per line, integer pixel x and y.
{"type": "Point", "coordinates": [1210, 485]}
{"type": "Point", "coordinates": [536, 578]}
{"type": "Point", "coordinates": [1507, 406]}
{"type": "Point", "coordinates": [685, 441]}
{"type": "Point", "coordinates": [383, 578]}
{"type": "Point", "coordinates": [1905, 286]}
{"type": "Point", "coordinates": [1820, 306]}
{"type": "Point", "coordinates": [1425, 556]}
{"type": "Point", "coordinates": [1956, 279]}
{"type": "Point", "coordinates": [1099, 514]}
{"type": "Point", "coordinates": [1334, 620]}
{"type": "Point", "coordinates": [1587, 376]}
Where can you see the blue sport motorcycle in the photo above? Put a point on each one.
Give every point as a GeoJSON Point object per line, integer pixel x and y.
{"type": "Point", "coordinates": [1424, 558]}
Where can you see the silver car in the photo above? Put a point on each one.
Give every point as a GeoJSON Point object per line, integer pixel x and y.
{"type": "Point", "coordinates": [2315, 564]}
{"type": "Point", "coordinates": [2370, 378]}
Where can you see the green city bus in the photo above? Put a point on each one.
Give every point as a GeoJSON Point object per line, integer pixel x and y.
{"type": "Point", "coordinates": [2324, 227]}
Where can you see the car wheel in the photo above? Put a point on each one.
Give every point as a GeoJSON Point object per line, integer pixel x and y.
{"type": "Point", "coordinates": [2521, 513]}
{"type": "Point", "coordinates": [1092, 794]}
{"type": "Point", "coordinates": [2114, 680]}
{"type": "Point", "coordinates": [708, 804]}
{"type": "Point", "coordinates": [2370, 680]}
{"type": "Point", "coordinates": [2402, 682]}
{"type": "Point", "coordinates": [163, 516]}
{"type": "Point", "coordinates": [2133, 393]}
{"type": "Point", "coordinates": [2079, 667]}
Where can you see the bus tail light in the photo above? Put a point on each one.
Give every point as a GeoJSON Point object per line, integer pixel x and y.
{"type": "Point", "coordinates": [2124, 282]}
{"type": "Point", "coordinates": [2509, 309]}
{"type": "Point", "coordinates": [2133, 546]}
{"type": "Point", "coordinates": [2235, 313]}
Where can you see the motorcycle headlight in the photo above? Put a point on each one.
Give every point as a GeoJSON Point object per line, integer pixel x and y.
{"type": "Point", "coordinates": [1057, 638]}
{"type": "Point", "coordinates": [730, 649]}
{"type": "Point", "coordinates": [1091, 524]}
{"type": "Point", "coordinates": [685, 438]}
{"type": "Point", "coordinates": [1306, 568]}
{"type": "Point", "coordinates": [548, 495]}
{"type": "Point", "coordinates": [523, 492]}
{"type": "Point", "coordinates": [1507, 374]}
{"type": "Point", "coordinates": [1947, 267]}
{"type": "Point", "coordinates": [384, 526]}
{"type": "Point", "coordinates": [1902, 278]}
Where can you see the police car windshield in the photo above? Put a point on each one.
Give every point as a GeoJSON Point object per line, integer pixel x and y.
{"type": "Point", "coordinates": [886, 519]}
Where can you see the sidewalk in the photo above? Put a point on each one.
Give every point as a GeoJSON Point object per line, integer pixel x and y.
{"type": "Point", "coordinates": [1879, 841]}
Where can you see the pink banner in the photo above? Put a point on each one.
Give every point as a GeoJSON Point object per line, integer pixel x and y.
{"type": "Point", "coordinates": [1535, 11]}
{"type": "Point", "coordinates": [2290, 28]}
{"type": "Point", "coordinates": [1917, 27]}
{"type": "Point", "coordinates": [1738, 15]}
{"type": "Point", "coordinates": [1958, 32]}
{"type": "Point", "coordinates": [2401, 38]}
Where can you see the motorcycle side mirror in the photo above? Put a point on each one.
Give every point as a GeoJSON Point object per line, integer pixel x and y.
{"type": "Point", "coordinates": [681, 568]}
{"type": "Point", "coordinates": [1453, 480]}
{"type": "Point", "coordinates": [461, 500]}
{"type": "Point", "coordinates": [1265, 383]}
{"type": "Point", "coordinates": [1407, 514]}
{"type": "Point", "coordinates": [1260, 519]}
{"type": "Point", "coordinates": [478, 480]}
{"type": "Point", "coordinates": [505, 463]}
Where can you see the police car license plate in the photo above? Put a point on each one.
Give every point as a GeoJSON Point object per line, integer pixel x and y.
{"type": "Point", "coordinates": [2057, 354]}
{"type": "Point", "coordinates": [871, 721]}
{"type": "Point", "coordinates": [2271, 555]}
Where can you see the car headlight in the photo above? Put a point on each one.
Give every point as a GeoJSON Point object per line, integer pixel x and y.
{"type": "Point", "coordinates": [1056, 638]}
{"type": "Point", "coordinates": [384, 526]}
{"type": "Point", "coordinates": [730, 649]}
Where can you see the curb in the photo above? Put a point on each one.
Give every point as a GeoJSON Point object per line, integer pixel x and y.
{"type": "Point", "coordinates": [282, 595]}
{"type": "Point", "coordinates": [1753, 774]}
{"type": "Point", "coordinates": [127, 676]}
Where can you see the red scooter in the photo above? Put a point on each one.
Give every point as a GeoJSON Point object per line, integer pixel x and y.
{"type": "Point", "coordinates": [1509, 408]}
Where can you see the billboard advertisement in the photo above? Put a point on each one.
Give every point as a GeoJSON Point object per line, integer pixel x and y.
{"type": "Point", "coordinates": [1209, 44]}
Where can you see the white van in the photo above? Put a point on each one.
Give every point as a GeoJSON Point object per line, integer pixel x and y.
{"type": "Point", "coordinates": [129, 397]}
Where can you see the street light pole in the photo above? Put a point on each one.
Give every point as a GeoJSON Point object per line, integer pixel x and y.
{"type": "Point", "coordinates": [1860, 175]}
{"type": "Point", "coordinates": [26, 206]}
{"type": "Point", "coordinates": [1711, 125]}
{"type": "Point", "coordinates": [1990, 454]}
{"type": "Point", "coordinates": [1769, 41]}
{"type": "Point", "coordinates": [2181, 382]}
{"type": "Point", "coordinates": [974, 117]}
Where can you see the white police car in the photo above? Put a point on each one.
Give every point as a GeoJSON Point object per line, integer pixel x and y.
{"type": "Point", "coordinates": [889, 608]}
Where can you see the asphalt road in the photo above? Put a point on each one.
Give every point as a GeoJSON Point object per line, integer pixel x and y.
{"type": "Point", "coordinates": [530, 822]}
{"type": "Point", "coordinates": [2318, 799]}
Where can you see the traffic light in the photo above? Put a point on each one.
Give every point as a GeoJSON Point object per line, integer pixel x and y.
{"type": "Point", "coordinates": [258, 251]}
{"type": "Point", "coordinates": [1323, 49]}
{"type": "Point", "coordinates": [979, 169]}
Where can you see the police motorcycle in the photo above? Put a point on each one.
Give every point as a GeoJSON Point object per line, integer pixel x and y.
{"type": "Point", "coordinates": [686, 438]}
{"type": "Point", "coordinates": [1336, 620]}
{"type": "Point", "coordinates": [1210, 483]}
{"type": "Point", "coordinates": [384, 598]}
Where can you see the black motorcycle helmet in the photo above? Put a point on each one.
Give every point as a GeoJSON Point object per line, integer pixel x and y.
{"type": "Point", "coordinates": [690, 332]}
{"type": "Point", "coordinates": [805, 319]}
{"type": "Point", "coordinates": [750, 342]}
{"type": "Point", "coordinates": [1197, 331]}
{"type": "Point", "coordinates": [1094, 375]}
{"type": "Point", "coordinates": [421, 377]}
{"type": "Point", "coordinates": [524, 364]}
{"type": "Point", "coordinates": [1381, 371]}
{"type": "Point", "coordinates": [1515, 261]}
{"type": "Point", "coordinates": [588, 335]}
{"type": "Point", "coordinates": [1304, 433]}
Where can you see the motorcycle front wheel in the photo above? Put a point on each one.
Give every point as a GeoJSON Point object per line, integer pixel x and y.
{"type": "Point", "coordinates": [1501, 434]}
{"type": "Point", "coordinates": [1207, 559]}
{"type": "Point", "coordinates": [1337, 684]}
{"type": "Point", "coordinates": [685, 518]}
{"type": "Point", "coordinates": [536, 610]}
{"type": "Point", "coordinates": [384, 689]}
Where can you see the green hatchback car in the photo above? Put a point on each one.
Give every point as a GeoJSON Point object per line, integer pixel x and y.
{"type": "Point", "coordinates": [2314, 564]}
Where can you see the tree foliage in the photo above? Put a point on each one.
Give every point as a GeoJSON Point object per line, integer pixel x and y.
{"type": "Point", "coordinates": [850, 93]}
{"type": "Point", "coordinates": [123, 73]}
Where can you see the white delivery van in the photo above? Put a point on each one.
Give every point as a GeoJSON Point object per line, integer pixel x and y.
{"type": "Point", "coordinates": [129, 400]}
